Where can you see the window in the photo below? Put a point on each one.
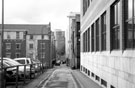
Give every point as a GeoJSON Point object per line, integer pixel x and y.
{"type": "Point", "coordinates": [103, 31]}
{"type": "Point", "coordinates": [42, 55]}
{"type": "Point", "coordinates": [112, 86]}
{"type": "Point", "coordinates": [130, 25]}
{"type": "Point", "coordinates": [92, 36]}
{"type": "Point", "coordinates": [83, 42]}
{"type": "Point", "coordinates": [17, 35]}
{"type": "Point", "coordinates": [97, 78]}
{"type": "Point", "coordinates": [31, 36]}
{"type": "Point", "coordinates": [88, 73]}
{"type": "Point", "coordinates": [8, 55]}
{"type": "Point", "coordinates": [31, 46]}
{"type": "Point", "coordinates": [8, 46]}
{"type": "Point", "coordinates": [18, 46]}
{"type": "Point", "coordinates": [88, 39]}
{"type": "Point", "coordinates": [42, 45]}
{"type": "Point", "coordinates": [115, 25]}
{"type": "Point", "coordinates": [21, 61]}
{"type": "Point", "coordinates": [97, 35]}
{"type": "Point", "coordinates": [86, 35]}
{"type": "Point", "coordinates": [103, 82]}
{"type": "Point", "coordinates": [92, 74]}
{"type": "Point", "coordinates": [8, 36]}
{"type": "Point", "coordinates": [17, 55]}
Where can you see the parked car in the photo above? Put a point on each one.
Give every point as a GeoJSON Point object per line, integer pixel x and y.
{"type": "Point", "coordinates": [58, 62]}
{"type": "Point", "coordinates": [37, 65]}
{"type": "Point", "coordinates": [26, 61]}
{"type": "Point", "coordinates": [21, 68]}
{"type": "Point", "coordinates": [10, 72]}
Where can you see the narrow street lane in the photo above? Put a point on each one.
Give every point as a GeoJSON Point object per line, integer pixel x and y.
{"type": "Point", "coordinates": [61, 78]}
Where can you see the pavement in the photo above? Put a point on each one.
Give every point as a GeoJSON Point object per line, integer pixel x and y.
{"type": "Point", "coordinates": [83, 81]}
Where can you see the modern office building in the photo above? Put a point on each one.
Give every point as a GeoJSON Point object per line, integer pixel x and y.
{"type": "Point", "coordinates": [107, 42]}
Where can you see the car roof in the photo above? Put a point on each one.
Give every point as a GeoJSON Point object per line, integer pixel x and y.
{"type": "Point", "coordinates": [21, 58]}
{"type": "Point", "coordinates": [11, 60]}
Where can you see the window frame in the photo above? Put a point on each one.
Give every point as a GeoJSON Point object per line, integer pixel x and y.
{"type": "Point", "coordinates": [42, 44]}
{"type": "Point", "coordinates": [19, 46]}
{"type": "Point", "coordinates": [103, 31]}
{"type": "Point", "coordinates": [8, 54]}
{"type": "Point", "coordinates": [17, 35]}
{"type": "Point", "coordinates": [130, 32]}
{"type": "Point", "coordinates": [17, 54]}
{"type": "Point", "coordinates": [31, 46]}
{"type": "Point", "coordinates": [31, 37]}
{"type": "Point", "coordinates": [115, 30]}
{"type": "Point", "coordinates": [97, 34]}
{"type": "Point", "coordinates": [8, 48]}
{"type": "Point", "coordinates": [92, 37]}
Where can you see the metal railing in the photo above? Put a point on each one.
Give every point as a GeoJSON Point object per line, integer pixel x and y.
{"type": "Point", "coordinates": [30, 71]}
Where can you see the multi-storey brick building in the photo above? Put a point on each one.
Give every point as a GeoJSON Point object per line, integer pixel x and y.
{"type": "Point", "coordinates": [107, 42]}
{"type": "Point", "coordinates": [14, 43]}
{"type": "Point", "coordinates": [37, 41]}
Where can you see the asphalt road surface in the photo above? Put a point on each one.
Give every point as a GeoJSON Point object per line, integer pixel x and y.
{"type": "Point", "coordinates": [61, 78]}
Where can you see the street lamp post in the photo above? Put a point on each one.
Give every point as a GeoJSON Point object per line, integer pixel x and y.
{"type": "Point", "coordinates": [2, 34]}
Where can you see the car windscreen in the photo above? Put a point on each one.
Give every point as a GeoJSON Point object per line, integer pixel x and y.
{"type": "Point", "coordinates": [21, 61]}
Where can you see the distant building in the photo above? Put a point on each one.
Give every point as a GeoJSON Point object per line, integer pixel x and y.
{"type": "Point", "coordinates": [108, 42]}
{"type": "Point", "coordinates": [53, 46]}
{"type": "Point", "coordinates": [37, 41]}
{"type": "Point", "coordinates": [76, 41]}
{"type": "Point", "coordinates": [71, 37]}
{"type": "Point", "coordinates": [60, 41]}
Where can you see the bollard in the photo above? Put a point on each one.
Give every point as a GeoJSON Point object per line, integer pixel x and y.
{"type": "Point", "coordinates": [17, 76]}
{"type": "Point", "coordinates": [30, 71]}
{"type": "Point", "coordinates": [4, 77]}
{"type": "Point", "coordinates": [24, 74]}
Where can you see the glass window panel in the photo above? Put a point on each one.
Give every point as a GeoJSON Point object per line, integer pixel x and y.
{"type": "Point", "coordinates": [130, 35]}
{"type": "Point", "coordinates": [118, 9]}
{"type": "Point", "coordinates": [115, 15]}
{"type": "Point", "coordinates": [130, 7]}
{"type": "Point", "coordinates": [134, 7]}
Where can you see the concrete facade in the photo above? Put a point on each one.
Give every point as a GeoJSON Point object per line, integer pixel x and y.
{"type": "Point", "coordinates": [76, 45]}
{"type": "Point", "coordinates": [109, 66]}
{"type": "Point", "coordinates": [69, 38]}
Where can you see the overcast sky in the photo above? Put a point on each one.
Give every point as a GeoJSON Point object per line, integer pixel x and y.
{"type": "Point", "coordinates": [40, 12]}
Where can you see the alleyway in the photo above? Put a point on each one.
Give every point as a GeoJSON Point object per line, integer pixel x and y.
{"type": "Point", "coordinates": [61, 78]}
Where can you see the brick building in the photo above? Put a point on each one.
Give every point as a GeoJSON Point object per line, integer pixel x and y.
{"type": "Point", "coordinates": [14, 43]}
{"type": "Point", "coordinates": [37, 41]}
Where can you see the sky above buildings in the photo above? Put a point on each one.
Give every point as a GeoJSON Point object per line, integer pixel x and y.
{"type": "Point", "coordinates": [40, 12]}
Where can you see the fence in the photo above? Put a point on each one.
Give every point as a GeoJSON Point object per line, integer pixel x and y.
{"type": "Point", "coordinates": [20, 73]}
